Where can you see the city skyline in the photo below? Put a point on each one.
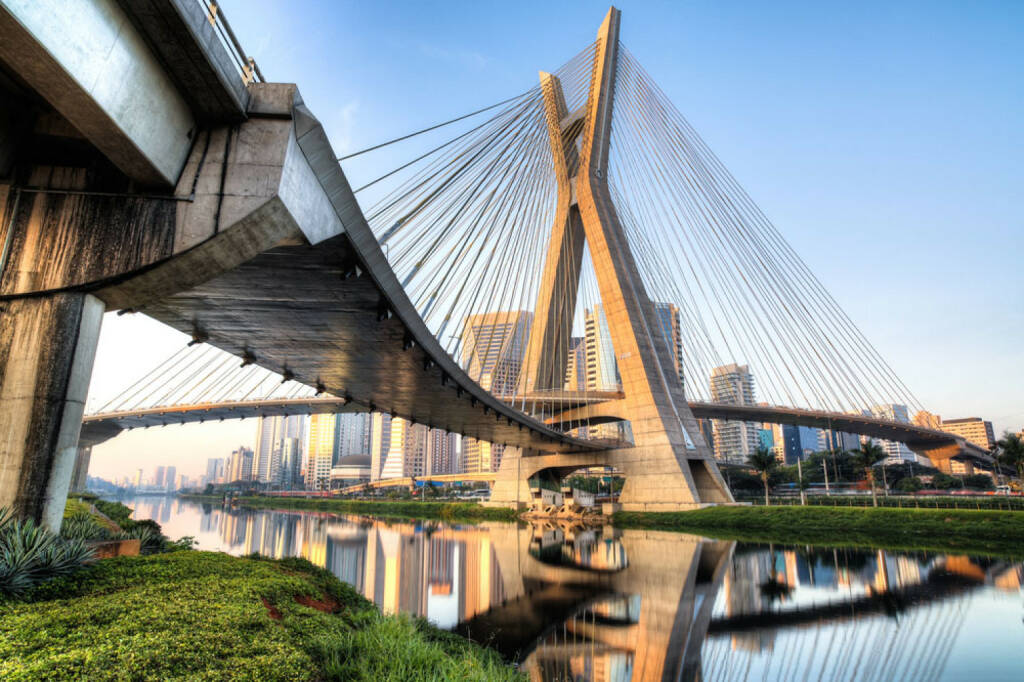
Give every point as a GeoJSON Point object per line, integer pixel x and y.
{"type": "Point", "coordinates": [741, 142]}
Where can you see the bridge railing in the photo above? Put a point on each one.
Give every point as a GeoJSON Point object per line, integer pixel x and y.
{"type": "Point", "coordinates": [248, 69]}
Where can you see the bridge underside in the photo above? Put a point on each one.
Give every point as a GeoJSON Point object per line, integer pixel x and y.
{"type": "Point", "coordinates": [305, 312]}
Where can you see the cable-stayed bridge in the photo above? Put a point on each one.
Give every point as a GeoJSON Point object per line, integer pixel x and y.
{"type": "Point", "coordinates": [580, 240]}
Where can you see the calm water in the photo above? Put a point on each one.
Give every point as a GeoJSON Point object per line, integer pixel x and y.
{"type": "Point", "coordinates": [570, 603]}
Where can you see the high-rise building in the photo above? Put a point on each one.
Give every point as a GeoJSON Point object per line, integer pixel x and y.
{"type": "Point", "coordinates": [322, 450]}
{"type": "Point", "coordinates": [668, 316]}
{"type": "Point", "coordinates": [138, 478]}
{"type": "Point", "coordinates": [493, 345]}
{"type": "Point", "coordinates": [974, 429]}
{"type": "Point", "coordinates": [733, 384]}
{"type": "Point", "coordinates": [170, 479]}
{"type": "Point", "coordinates": [441, 452]}
{"type": "Point", "coordinates": [407, 450]}
{"type": "Point", "coordinates": [215, 470]}
{"type": "Point", "coordinates": [602, 370]}
{"type": "Point", "coordinates": [290, 472]}
{"type": "Point", "coordinates": [240, 468]}
{"type": "Point", "coordinates": [380, 442]}
{"type": "Point", "coordinates": [898, 452]}
{"type": "Point", "coordinates": [928, 420]}
{"type": "Point", "coordinates": [354, 434]}
{"type": "Point", "coordinates": [576, 365]}
{"type": "Point", "coordinates": [271, 435]}
{"type": "Point", "coordinates": [158, 478]}
{"type": "Point", "coordinates": [800, 442]}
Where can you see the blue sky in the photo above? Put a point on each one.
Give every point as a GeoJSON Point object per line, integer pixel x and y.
{"type": "Point", "coordinates": [882, 138]}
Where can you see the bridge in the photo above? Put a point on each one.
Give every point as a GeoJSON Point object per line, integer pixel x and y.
{"type": "Point", "coordinates": [939, 446]}
{"type": "Point", "coordinates": [147, 166]}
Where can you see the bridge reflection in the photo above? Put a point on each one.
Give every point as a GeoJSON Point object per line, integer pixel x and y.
{"type": "Point", "coordinates": [574, 603]}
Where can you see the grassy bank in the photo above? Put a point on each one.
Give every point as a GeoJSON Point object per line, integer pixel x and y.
{"type": "Point", "coordinates": [961, 531]}
{"type": "Point", "coordinates": [449, 511]}
{"type": "Point", "coordinates": [204, 615]}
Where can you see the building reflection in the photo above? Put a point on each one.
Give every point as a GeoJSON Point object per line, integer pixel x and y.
{"type": "Point", "coordinates": [573, 603]}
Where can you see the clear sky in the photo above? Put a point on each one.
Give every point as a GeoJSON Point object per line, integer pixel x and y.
{"type": "Point", "coordinates": [884, 140]}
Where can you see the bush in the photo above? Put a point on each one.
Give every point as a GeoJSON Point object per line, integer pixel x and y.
{"type": "Point", "coordinates": [909, 484]}
{"type": "Point", "coordinates": [31, 554]}
{"type": "Point", "coordinates": [979, 482]}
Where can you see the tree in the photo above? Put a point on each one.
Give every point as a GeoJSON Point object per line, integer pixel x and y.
{"type": "Point", "coordinates": [763, 461]}
{"type": "Point", "coordinates": [867, 456]}
{"type": "Point", "coordinates": [1010, 449]}
{"type": "Point", "coordinates": [910, 484]}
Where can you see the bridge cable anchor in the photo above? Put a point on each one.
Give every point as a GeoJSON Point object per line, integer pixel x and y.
{"type": "Point", "coordinates": [287, 375]}
{"type": "Point", "coordinates": [247, 358]}
{"type": "Point", "coordinates": [198, 336]}
{"type": "Point", "coordinates": [320, 388]}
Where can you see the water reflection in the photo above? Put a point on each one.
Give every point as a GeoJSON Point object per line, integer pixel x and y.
{"type": "Point", "coordinates": [576, 603]}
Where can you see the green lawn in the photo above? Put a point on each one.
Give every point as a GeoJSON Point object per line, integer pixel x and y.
{"type": "Point", "coordinates": [456, 511]}
{"type": "Point", "coordinates": [945, 530]}
{"type": "Point", "coordinates": [204, 615]}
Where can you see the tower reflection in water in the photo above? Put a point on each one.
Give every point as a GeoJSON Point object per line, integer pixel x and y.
{"type": "Point", "coordinates": [575, 603]}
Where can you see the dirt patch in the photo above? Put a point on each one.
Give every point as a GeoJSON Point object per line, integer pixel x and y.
{"type": "Point", "coordinates": [271, 609]}
{"type": "Point", "coordinates": [327, 604]}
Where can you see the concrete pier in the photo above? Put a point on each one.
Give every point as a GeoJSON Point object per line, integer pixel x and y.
{"type": "Point", "coordinates": [47, 347]}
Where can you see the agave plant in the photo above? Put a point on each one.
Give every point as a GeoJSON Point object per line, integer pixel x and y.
{"type": "Point", "coordinates": [150, 542]}
{"type": "Point", "coordinates": [83, 527]}
{"type": "Point", "coordinates": [30, 554]}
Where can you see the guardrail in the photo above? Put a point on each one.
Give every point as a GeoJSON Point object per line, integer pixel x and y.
{"type": "Point", "coordinates": [250, 72]}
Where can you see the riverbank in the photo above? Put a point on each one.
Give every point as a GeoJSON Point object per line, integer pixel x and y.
{"type": "Point", "coordinates": [945, 530]}
{"type": "Point", "coordinates": [208, 615]}
{"type": "Point", "coordinates": [447, 511]}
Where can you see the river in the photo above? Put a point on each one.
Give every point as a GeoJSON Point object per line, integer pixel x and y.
{"type": "Point", "coordinates": [573, 603]}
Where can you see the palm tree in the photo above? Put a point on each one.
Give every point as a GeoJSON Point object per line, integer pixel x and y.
{"type": "Point", "coordinates": [867, 456]}
{"type": "Point", "coordinates": [763, 461]}
{"type": "Point", "coordinates": [1011, 452]}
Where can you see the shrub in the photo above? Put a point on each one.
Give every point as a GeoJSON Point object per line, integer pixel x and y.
{"type": "Point", "coordinates": [31, 554]}
{"type": "Point", "coordinates": [83, 526]}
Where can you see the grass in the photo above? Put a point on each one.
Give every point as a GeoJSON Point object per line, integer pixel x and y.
{"type": "Point", "coordinates": [998, 533]}
{"type": "Point", "coordinates": [448, 511]}
{"type": "Point", "coordinates": [210, 616]}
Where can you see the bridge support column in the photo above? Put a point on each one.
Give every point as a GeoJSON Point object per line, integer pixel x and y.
{"type": "Point", "coordinates": [47, 347]}
{"type": "Point", "coordinates": [80, 474]}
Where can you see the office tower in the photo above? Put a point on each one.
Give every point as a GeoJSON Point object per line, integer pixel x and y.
{"type": "Point", "coordinates": [492, 349]}
{"type": "Point", "coordinates": [290, 471]}
{"type": "Point", "coordinates": [322, 450]}
{"type": "Point", "coordinates": [928, 420]}
{"type": "Point", "coordinates": [271, 435]}
{"type": "Point", "coordinates": [799, 442]}
{"type": "Point", "coordinates": [576, 365]}
{"type": "Point", "coordinates": [214, 470]}
{"type": "Point", "coordinates": [441, 452]}
{"type": "Point", "coordinates": [170, 479]}
{"type": "Point", "coordinates": [839, 441]}
{"type": "Point", "coordinates": [407, 449]}
{"type": "Point", "coordinates": [898, 452]}
{"type": "Point", "coordinates": [492, 354]}
{"type": "Point", "coordinates": [602, 370]}
{"type": "Point", "coordinates": [974, 429]}
{"type": "Point", "coordinates": [158, 479]}
{"type": "Point", "coordinates": [138, 478]}
{"type": "Point", "coordinates": [240, 468]}
{"type": "Point", "coordinates": [733, 384]}
{"type": "Point", "coordinates": [668, 316]}
{"type": "Point", "coordinates": [380, 442]}
{"type": "Point", "coordinates": [773, 438]}
{"type": "Point", "coordinates": [354, 434]}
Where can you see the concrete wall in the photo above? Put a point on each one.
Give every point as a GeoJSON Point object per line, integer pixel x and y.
{"type": "Point", "coordinates": [87, 59]}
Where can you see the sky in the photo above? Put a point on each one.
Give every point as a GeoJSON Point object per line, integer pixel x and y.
{"type": "Point", "coordinates": [883, 139]}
